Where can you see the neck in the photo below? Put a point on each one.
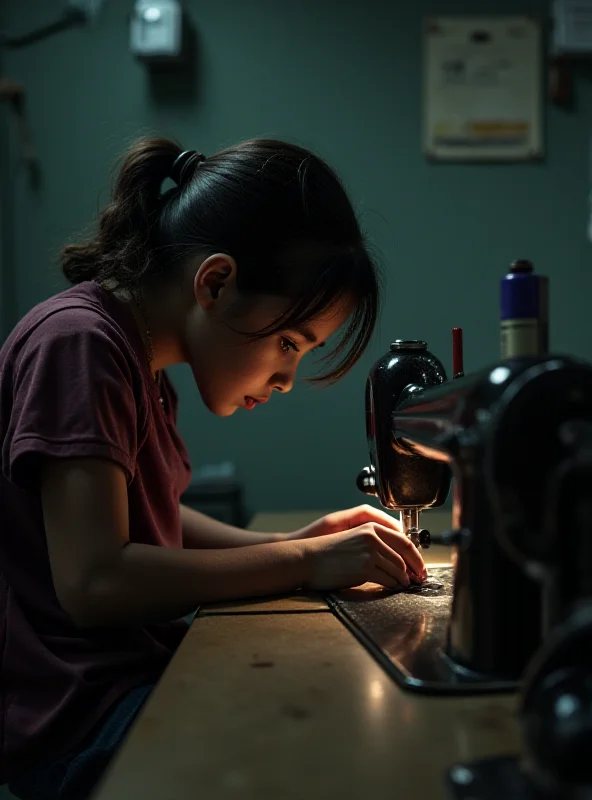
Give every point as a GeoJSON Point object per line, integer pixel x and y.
{"type": "Point", "coordinates": [158, 316]}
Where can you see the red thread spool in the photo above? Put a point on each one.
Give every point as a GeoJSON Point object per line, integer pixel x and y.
{"type": "Point", "coordinates": [457, 353]}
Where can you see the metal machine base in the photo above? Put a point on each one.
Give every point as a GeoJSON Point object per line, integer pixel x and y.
{"type": "Point", "coordinates": [493, 779]}
{"type": "Point", "coordinates": [406, 632]}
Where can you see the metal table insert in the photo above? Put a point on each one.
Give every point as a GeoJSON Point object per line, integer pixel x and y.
{"type": "Point", "coordinates": [406, 632]}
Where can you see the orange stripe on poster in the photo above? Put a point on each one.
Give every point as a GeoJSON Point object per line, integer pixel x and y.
{"type": "Point", "coordinates": [498, 128]}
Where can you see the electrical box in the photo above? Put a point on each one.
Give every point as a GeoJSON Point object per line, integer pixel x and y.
{"type": "Point", "coordinates": [156, 30]}
{"type": "Point", "coordinates": [572, 28]}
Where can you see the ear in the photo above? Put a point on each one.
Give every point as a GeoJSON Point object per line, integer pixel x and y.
{"type": "Point", "coordinates": [216, 274]}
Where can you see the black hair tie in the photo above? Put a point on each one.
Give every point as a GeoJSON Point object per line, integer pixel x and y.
{"type": "Point", "coordinates": [183, 165]}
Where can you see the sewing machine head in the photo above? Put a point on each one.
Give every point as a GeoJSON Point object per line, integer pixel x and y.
{"type": "Point", "coordinates": [510, 435]}
{"type": "Point", "coordinates": [402, 480]}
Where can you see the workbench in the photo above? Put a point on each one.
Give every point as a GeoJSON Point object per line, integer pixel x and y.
{"type": "Point", "coordinates": [275, 698]}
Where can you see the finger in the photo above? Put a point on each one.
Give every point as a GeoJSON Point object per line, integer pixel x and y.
{"type": "Point", "coordinates": [416, 579]}
{"type": "Point", "coordinates": [381, 517]}
{"type": "Point", "coordinates": [354, 517]}
{"type": "Point", "coordinates": [395, 570]}
{"type": "Point", "coordinates": [404, 546]}
{"type": "Point", "coordinates": [382, 578]}
{"type": "Point", "coordinates": [390, 560]}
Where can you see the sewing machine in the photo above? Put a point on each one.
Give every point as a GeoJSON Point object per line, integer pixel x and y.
{"type": "Point", "coordinates": [513, 610]}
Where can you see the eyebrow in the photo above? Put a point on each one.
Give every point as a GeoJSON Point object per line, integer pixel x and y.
{"type": "Point", "coordinates": [307, 334]}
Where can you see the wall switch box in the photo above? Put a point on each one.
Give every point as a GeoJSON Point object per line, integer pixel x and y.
{"type": "Point", "coordinates": [156, 30]}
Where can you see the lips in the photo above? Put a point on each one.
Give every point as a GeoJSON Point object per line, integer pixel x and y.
{"type": "Point", "coordinates": [251, 402]}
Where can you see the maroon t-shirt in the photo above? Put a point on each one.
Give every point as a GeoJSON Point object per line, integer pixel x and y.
{"type": "Point", "coordinates": [75, 381]}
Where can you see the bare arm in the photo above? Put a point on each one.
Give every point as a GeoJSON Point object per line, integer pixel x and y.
{"type": "Point", "coordinates": [101, 578]}
{"type": "Point", "coordinates": [203, 532]}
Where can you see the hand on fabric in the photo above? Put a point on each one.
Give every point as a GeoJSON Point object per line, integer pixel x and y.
{"type": "Point", "coordinates": [372, 535]}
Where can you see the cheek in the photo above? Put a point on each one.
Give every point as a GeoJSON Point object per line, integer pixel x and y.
{"type": "Point", "coordinates": [225, 367]}
{"type": "Point", "coordinates": [258, 364]}
{"type": "Point", "coordinates": [255, 360]}
{"type": "Point", "coordinates": [228, 368]}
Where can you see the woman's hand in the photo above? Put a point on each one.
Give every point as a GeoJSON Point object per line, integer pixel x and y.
{"type": "Point", "coordinates": [346, 520]}
{"type": "Point", "coordinates": [369, 518]}
{"type": "Point", "coordinates": [368, 552]}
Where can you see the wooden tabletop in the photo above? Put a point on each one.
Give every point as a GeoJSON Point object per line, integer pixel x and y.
{"type": "Point", "coordinates": [276, 699]}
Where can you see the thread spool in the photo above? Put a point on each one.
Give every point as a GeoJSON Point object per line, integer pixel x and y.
{"type": "Point", "coordinates": [524, 312]}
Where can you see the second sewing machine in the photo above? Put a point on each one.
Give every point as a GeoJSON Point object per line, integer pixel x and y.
{"type": "Point", "coordinates": [512, 609]}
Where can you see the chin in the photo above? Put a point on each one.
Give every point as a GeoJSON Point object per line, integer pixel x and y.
{"type": "Point", "coordinates": [226, 411]}
{"type": "Point", "coordinates": [219, 409]}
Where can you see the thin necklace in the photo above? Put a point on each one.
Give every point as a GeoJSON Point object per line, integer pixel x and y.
{"type": "Point", "coordinates": [139, 304]}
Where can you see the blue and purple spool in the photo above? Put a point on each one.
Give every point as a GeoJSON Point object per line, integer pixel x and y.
{"type": "Point", "coordinates": [524, 312]}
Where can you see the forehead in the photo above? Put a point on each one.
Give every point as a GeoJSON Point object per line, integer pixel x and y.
{"type": "Point", "coordinates": [269, 308]}
{"type": "Point", "coordinates": [329, 321]}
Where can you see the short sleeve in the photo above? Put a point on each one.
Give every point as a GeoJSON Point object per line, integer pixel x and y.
{"type": "Point", "coordinates": [74, 394]}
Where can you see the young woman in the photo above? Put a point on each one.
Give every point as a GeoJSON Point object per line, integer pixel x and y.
{"type": "Point", "coordinates": [249, 263]}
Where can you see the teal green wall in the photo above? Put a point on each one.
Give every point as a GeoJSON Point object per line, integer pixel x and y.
{"type": "Point", "coordinates": [342, 77]}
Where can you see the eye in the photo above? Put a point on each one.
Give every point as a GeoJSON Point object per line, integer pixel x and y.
{"type": "Point", "coordinates": [287, 344]}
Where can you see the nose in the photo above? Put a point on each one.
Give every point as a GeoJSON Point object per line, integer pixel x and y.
{"type": "Point", "coordinates": [282, 382]}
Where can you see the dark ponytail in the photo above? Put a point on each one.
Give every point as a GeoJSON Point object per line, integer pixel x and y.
{"type": "Point", "coordinates": [276, 208]}
{"type": "Point", "coordinates": [124, 247]}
